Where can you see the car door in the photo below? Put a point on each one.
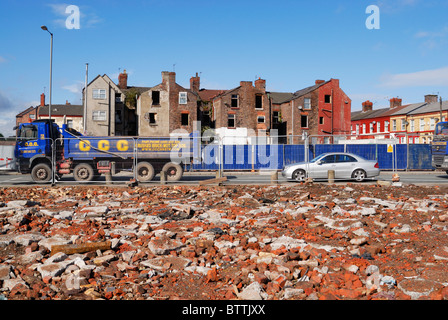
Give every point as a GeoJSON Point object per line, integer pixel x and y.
{"type": "Point", "coordinates": [345, 164]}
{"type": "Point", "coordinates": [320, 171]}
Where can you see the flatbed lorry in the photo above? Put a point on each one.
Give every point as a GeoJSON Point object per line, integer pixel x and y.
{"type": "Point", "coordinates": [42, 144]}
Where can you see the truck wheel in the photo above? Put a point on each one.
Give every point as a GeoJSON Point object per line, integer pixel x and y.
{"type": "Point", "coordinates": [145, 171]}
{"type": "Point", "coordinates": [83, 172]}
{"type": "Point", "coordinates": [173, 171]}
{"type": "Point", "coordinates": [41, 173]}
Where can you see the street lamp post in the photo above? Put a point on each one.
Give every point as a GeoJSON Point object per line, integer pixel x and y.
{"type": "Point", "coordinates": [51, 67]}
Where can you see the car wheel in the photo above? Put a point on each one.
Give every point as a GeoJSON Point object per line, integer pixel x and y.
{"type": "Point", "coordinates": [359, 175]}
{"type": "Point", "coordinates": [299, 175]}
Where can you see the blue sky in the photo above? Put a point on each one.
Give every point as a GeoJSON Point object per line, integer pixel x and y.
{"type": "Point", "coordinates": [290, 43]}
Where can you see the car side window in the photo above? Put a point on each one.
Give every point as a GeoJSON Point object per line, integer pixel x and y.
{"type": "Point", "coordinates": [345, 158]}
{"type": "Point", "coordinates": [329, 159]}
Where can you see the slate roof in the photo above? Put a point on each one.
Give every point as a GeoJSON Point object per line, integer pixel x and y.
{"type": "Point", "coordinates": [280, 97]}
{"type": "Point", "coordinates": [375, 113]}
{"type": "Point", "coordinates": [25, 111]}
{"type": "Point", "coordinates": [62, 109]}
{"type": "Point", "coordinates": [430, 107]}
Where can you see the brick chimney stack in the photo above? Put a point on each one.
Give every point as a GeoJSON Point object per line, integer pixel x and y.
{"type": "Point", "coordinates": [168, 79]}
{"type": "Point", "coordinates": [367, 106]}
{"type": "Point", "coordinates": [42, 99]}
{"type": "Point", "coordinates": [123, 80]}
{"type": "Point", "coordinates": [246, 84]}
{"type": "Point", "coordinates": [431, 98]}
{"type": "Point", "coordinates": [319, 81]}
{"type": "Point", "coordinates": [395, 102]}
{"type": "Point", "coordinates": [195, 83]}
{"type": "Point", "coordinates": [260, 84]}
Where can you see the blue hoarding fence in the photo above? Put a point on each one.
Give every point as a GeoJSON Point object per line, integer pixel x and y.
{"type": "Point", "coordinates": [275, 156]}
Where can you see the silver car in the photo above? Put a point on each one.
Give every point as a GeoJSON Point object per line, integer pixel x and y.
{"type": "Point", "coordinates": [345, 166]}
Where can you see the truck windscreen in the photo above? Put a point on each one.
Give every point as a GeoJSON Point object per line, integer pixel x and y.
{"type": "Point", "coordinates": [27, 132]}
{"type": "Point", "coordinates": [441, 129]}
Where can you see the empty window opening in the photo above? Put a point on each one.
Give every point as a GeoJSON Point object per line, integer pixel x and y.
{"type": "Point", "coordinates": [327, 98]}
{"type": "Point", "coordinates": [152, 118]}
{"type": "Point", "coordinates": [234, 101]}
{"type": "Point", "coordinates": [321, 120]}
{"type": "Point", "coordinates": [156, 97]}
{"type": "Point", "coordinates": [259, 102]}
{"type": "Point", "coordinates": [304, 121]}
{"type": "Point", "coordinates": [184, 119]}
{"type": "Point", "coordinates": [276, 117]}
{"type": "Point", "coordinates": [260, 119]}
{"type": "Point", "coordinates": [231, 121]}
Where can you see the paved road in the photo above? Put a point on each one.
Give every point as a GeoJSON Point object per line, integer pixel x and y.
{"type": "Point", "coordinates": [255, 178]}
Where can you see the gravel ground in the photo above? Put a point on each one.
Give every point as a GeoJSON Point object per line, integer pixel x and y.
{"type": "Point", "coordinates": [295, 242]}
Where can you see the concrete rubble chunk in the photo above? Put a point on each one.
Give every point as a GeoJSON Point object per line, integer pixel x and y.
{"type": "Point", "coordinates": [48, 243]}
{"type": "Point", "coordinates": [5, 272]}
{"type": "Point", "coordinates": [254, 291]}
{"type": "Point", "coordinates": [27, 238]}
{"type": "Point", "coordinates": [164, 246]}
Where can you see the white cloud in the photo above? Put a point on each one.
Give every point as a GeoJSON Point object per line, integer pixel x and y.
{"type": "Point", "coordinates": [75, 88]}
{"type": "Point", "coordinates": [58, 8]}
{"type": "Point", "coordinates": [432, 39]}
{"type": "Point", "coordinates": [435, 77]}
{"type": "Point", "coordinates": [387, 6]}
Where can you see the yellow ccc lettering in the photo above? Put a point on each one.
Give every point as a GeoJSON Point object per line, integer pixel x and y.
{"type": "Point", "coordinates": [84, 145]}
{"type": "Point", "coordinates": [103, 145]}
{"type": "Point", "coordinates": [122, 145]}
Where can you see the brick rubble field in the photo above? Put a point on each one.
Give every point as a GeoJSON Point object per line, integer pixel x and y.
{"type": "Point", "coordinates": [279, 242]}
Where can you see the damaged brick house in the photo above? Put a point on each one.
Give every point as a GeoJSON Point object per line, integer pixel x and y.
{"type": "Point", "coordinates": [166, 107]}
{"type": "Point", "coordinates": [320, 111]}
{"type": "Point", "coordinates": [246, 106]}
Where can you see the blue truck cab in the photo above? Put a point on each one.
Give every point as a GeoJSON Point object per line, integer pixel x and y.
{"type": "Point", "coordinates": [439, 147]}
{"type": "Point", "coordinates": [34, 148]}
